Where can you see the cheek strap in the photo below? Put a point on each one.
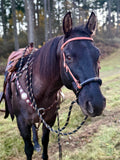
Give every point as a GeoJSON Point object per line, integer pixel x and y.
{"type": "Point", "coordinates": [79, 85]}
{"type": "Point", "coordinates": [68, 70]}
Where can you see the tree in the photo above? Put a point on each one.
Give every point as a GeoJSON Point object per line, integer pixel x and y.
{"type": "Point", "coordinates": [4, 19]}
{"type": "Point", "coordinates": [118, 16]}
{"type": "Point", "coordinates": [16, 43]}
{"type": "Point", "coordinates": [49, 20]}
{"type": "Point", "coordinates": [29, 9]}
{"type": "Point", "coordinates": [45, 20]}
{"type": "Point", "coordinates": [42, 19]}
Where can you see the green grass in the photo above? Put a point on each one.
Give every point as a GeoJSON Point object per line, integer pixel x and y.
{"type": "Point", "coordinates": [98, 139]}
{"type": "Point", "coordinates": [110, 74]}
{"type": "Point", "coordinates": [103, 146]}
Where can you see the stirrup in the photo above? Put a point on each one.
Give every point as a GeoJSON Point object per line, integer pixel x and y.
{"type": "Point", "coordinates": [1, 96]}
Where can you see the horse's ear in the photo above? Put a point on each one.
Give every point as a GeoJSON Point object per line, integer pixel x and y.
{"type": "Point", "coordinates": [91, 24]}
{"type": "Point", "coordinates": [67, 24]}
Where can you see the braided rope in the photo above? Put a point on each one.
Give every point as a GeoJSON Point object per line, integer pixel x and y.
{"type": "Point", "coordinates": [33, 102]}
{"type": "Point", "coordinates": [21, 61]}
{"type": "Point", "coordinates": [29, 80]}
{"type": "Point", "coordinates": [59, 130]}
{"type": "Point", "coordinates": [68, 117]}
{"type": "Point", "coordinates": [59, 144]}
{"type": "Point", "coordinates": [18, 74]}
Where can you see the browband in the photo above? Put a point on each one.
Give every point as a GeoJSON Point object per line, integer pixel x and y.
{"type": "Point", "coordinates": [74, 39]}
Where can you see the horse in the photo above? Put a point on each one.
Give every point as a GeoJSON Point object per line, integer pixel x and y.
{"type": "Point", "coordinates": [70, 60]}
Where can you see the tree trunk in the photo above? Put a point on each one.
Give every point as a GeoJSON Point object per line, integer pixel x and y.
{"type": "Point", "coordinates": [66, 6]}
{"type": "Point", "coordinates": [49, 12]}
{"type": "Point", "coordinates": [38, 14]}
{"type": "Point", "coordinates": [37, 24]}
{"type": "Point", "coordinates": [74, 17]}
{"type": "Point", "coordinates": [109, 18]}
{"type": "Point", "coordinates": [30, 21]}
{"type": "Point", "coordinates": [79, 10]}
{"type": "Point", "coordinates": [58, 15]}
{"type": "Point", "coordinates": [29, 10]}
{"type": "Point", "coordinates": [16, 43]}
{"type": "Point", "coordinates": [118, 16]}
{"type": "Point", "coordinates": [45, 20]}
{"type": "Point", "coordinates": [109, 11]}
{"type": "Point", "coordinates": [3, 19]}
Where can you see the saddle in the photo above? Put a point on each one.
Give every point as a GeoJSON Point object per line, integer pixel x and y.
{"type": "Point", "coordinates": [12, 67]}
{"type": "Point", "coordinates": [15, 56]}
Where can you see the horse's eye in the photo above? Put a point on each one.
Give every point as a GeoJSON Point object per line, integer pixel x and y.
{"type": "Point", "coordinates": [68, 57]}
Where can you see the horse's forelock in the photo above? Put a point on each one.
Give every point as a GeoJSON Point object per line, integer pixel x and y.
{"type": "Point", "coordinates": [81, 30]}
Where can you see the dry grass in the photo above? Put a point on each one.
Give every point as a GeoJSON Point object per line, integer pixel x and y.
{"type": "Point", "coordinates": [99, 138]}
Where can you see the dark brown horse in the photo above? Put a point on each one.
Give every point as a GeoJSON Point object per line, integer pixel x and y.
{"type": "Point", "coordinates": [70, 60]}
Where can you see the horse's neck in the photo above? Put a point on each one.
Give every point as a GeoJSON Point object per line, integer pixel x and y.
{"type": "Point", "coordinates": [42, 84]}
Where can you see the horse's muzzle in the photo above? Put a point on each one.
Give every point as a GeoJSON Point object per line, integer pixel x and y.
{"type": "Point", "coordinates": [95, 110]}
{"type": "Point", "coordinates": [91, 103]}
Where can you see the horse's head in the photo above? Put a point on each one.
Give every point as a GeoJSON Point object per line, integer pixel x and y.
{"type": "Point", "coordinates": [80, 65]}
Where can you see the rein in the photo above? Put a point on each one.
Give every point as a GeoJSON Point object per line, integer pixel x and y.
{"type": "Point", "coordinates": [67, 68]}
{"type": "Point", "coordinates": [38, 110]}
{"type": "Point", "coordinates": [30, 100]}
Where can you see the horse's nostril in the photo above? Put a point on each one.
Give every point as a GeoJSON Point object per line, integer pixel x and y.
{"type": "Point", "coordinates": [104, 99]}
{"type": "Point", "coordinates": [89, 107]}
{"type": "Point", "coordinates": [104, 102]}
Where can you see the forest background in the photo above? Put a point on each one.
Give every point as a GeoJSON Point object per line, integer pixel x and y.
{"type": "Point", "coordinates": [24, 21]}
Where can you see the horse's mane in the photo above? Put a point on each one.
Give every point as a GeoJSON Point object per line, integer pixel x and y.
{"type": "Point", "coordinates": [48, 59]}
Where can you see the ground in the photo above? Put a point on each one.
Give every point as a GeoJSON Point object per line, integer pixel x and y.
{"type": "Point", "coordinates": [99, 137]}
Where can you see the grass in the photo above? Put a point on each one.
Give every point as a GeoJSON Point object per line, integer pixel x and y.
{"type": "Point", "coordinates": [104, 146]}
{"type": "Point", "coordinates": [110, 74]}
{"type": "Point", "coordinates": [99, 138]}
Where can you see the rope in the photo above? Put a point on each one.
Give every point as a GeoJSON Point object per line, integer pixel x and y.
{"type": "Point", "coordinates": [59, 131]}
{"type": "Point", "coordinates": [59, 145]}
{"type": "Point", "coordinates": [32, 99]}
{"type": "Point", "coordinates": [33, 102]}
{"type": "Point", "coordinates": [20, 67]}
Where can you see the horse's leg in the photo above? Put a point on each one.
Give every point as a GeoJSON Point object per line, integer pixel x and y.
{"type": "Point", "coordinates": [35, 139]}
{"type": "Point", "coordinates": [45, 139]}
{"type": "Point", "coordinates": [25, 131]}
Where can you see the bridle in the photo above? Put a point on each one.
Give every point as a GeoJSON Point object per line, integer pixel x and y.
{"type": "Point", "coordinates": [67, 68]}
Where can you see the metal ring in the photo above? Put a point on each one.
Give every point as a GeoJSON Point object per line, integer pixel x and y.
{"type": "Point", "coordinates": [41, 109]}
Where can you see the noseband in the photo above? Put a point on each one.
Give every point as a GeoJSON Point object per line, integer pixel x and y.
{"type": "Point", "coordinates": [79, 85]}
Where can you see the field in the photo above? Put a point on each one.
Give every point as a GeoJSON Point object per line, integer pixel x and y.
{"type": "Point", "coordinates": [98, 139]}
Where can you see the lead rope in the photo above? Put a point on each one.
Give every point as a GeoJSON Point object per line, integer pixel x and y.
{"type": "Point", "coordinates": [33, 103]}
{"type": "Point", "coordinates": [38, 110]}
{"type": "Point", "coordinates": [59, 144]}
{"type": "Point", "coordinates": [67, 121]}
